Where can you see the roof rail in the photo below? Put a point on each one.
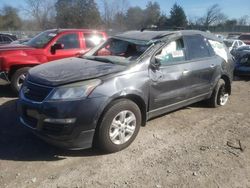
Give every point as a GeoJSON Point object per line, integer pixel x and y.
{"type": "Point", "coordinates": [156, 28]}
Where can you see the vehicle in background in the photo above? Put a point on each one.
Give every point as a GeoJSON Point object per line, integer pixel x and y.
{"type": "Point", "coordinates": [242, 65]}
{"type": "Point", "coordinates": [15, 60]}
{"type": "Point", "coordinates": [233, 44]}
{"type": "Point", "coordinates": [245, 37]}
{"type": "Point", "coordinates": [241, 51]}
{"type": "Point", "coordinates": [222, 37]}
{"type": "Point", "coordinates": [233, 35]}
{"type": "Point", "coordinates": [105, 96]}
{"type": "Point", "coordinates": [6, 38]}
{"type": "Point", "coordinates": [21, 41]}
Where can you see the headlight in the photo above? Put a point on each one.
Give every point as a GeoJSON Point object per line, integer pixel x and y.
{"type": "Point", "coordinates": [75, 90]}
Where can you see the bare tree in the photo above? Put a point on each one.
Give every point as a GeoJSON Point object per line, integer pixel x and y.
{"type": "Point", "coordinates": [42, 11]}
{"type": "Point", "coordinates": [112, 9]}
{"type": "Point", "coordinates": [244, 20]}
{"type": "Point", "coordinates": [213, 16]}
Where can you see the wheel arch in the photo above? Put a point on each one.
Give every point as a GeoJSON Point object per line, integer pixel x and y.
{"type": "Point", "coordinates": [14, 68]}
{"type": "Point", "coordinates": [133, 97]}
{"type": "Point", "coordinates": [227, 83]}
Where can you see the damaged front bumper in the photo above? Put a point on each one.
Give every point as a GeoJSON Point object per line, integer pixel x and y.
{"type": "Point", "coordinates": [4, 78]}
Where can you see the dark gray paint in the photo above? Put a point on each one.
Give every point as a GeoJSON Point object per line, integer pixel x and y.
{"type": "Point", "coordinates": [158, 89]}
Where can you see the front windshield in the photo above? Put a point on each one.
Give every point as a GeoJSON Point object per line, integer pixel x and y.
{"type": "Point", "coordinates": [41, 39]}
{"type": "Point", "coordinates": [118, 51]}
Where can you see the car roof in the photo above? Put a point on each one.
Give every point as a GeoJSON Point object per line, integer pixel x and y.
{"type": "Point", "coordinates": [155, 35]}
{"type": "Point", "coordinates": [73, 30]}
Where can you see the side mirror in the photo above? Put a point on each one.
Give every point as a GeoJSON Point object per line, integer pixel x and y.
{"type": "Point", "coordinates": [155, 63]}
{"type": "Point", "coordinates": [57, 46]}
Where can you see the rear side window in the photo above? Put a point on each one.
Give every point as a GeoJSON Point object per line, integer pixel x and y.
{"type": "Point", "coordinates": [93, 39]}
{"type": "Point", "coordinates": [70, 41]}
{"type": "Point", "coordinates": [197, 47]}
{"type": "Point", "coordinates": [219, 49]}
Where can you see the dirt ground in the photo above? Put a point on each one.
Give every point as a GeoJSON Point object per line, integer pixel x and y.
{"type": "Point", "coordinates": [196, 146]}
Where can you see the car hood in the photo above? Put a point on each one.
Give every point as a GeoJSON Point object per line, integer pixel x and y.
{"type": "Point", "coordinates": [70, 70]}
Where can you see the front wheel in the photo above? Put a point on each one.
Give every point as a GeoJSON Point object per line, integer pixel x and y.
{"type": "Point", "coordinates": [18, 78]}
{"type": "Point", "coordinates": [119, 126]}
{"type": "Point", "coordinates": [220, 95]}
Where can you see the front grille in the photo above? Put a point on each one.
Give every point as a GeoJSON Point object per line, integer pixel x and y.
{"type": "Point", "coordinates": [36, 92]}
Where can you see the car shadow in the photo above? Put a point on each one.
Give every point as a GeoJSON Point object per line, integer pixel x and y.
{"type": "Point", "coordinates": [19, 144]}
{"type": "Point", "coordinates": [5, 91]}
{"type": "Point", "coordinates": [242, 78]}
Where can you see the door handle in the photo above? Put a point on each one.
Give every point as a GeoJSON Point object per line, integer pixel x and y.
{"type": "Point", "coordinates": [185, 72]}
{"type": "Point", "coordinates": [212, 65]}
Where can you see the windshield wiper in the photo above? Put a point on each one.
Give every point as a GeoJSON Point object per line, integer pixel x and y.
{"type": "Point", "coordinates": [96, 58]}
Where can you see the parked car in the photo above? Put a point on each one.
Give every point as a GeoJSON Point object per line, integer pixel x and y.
{"type": "Point", "coordinates": [21, 41]}
{"type": "Point", "coordinates": [233, 36]}
{"type": "Point", "coordinates": [245, 38]}
{"type": "Point", "coordinates": [222, 37]}
{"type": "Point", "coordinates": [242, 65]}
{"type": "Point", "coordinates": [103, 97]}
{"type": "Point", "coordinates": [233, 44]}
{"type": "Point", "coordinates": [241, 51]}
{"type": "Point", "coordinates": [6, 38]}
{"type": "Point", "coordinates": [47, 46]}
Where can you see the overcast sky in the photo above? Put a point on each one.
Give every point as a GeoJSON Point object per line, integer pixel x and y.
{"type": "Point", "coordinates": [193, 8]}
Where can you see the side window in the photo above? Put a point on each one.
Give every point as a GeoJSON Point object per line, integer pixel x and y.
{"type": "Point", "coordinates": [172, 53]}
{"type": "Point", "coordinates": [70, 41]}
{"type": "Point", "coordinates": [92, 39]}
{"type": "Point", "coordinates": [197, 47]}
{"type": "Point", "coordinates": [219, 49]}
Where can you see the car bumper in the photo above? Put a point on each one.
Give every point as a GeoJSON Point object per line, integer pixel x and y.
{"type": "Point", "coordinates": [66, 124]}
{"type": "Point", "coordinates": [4, 78]}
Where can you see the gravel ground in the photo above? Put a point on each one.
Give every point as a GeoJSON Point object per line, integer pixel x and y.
{"type": "Point", "coordinates": [193, 147]}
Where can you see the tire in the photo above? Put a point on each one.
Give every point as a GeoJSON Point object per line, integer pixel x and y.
{"type": "Point", "coordinates": [17, 79]}
{"type": "Point", "coordinates": [114, 135]}
{"type": "Point", "coordinates": [219, 96]}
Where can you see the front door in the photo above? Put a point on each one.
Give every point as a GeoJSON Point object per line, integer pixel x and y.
{"type": "Point", "coordinates": [167, 83]}
{"type": "Point", "coordinates": [72, 47]}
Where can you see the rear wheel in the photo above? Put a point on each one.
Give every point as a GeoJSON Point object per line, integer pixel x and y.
{"type": "Point", "coordinates": [220, 95]}
{"type": "Point", "coordinates": [119, 126]}
{"type": "Point", "coordinates": [18, 78]}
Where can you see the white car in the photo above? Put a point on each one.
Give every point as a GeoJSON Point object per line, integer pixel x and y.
{"type": "Point", "coordinates": [233, 44]}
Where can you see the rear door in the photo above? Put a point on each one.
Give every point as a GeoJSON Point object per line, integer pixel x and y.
{"type": "Point", "coordinates": [72, 46]}
{"type": "Point", "coordinates": [201, 68]}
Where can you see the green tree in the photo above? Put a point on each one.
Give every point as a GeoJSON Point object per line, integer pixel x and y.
{"type": "Point", "coordinates": [77, 13]}
{"type": "Point", "coordinates": [152, 14]}
{"type": "Point", "coordinates": [177, 16]}
{"type": "Point", "coordinates": [9, 18]}
{"type": "Point", "coordinates": [134, 18]}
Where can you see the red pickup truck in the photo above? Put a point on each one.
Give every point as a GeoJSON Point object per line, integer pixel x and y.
{"type": "Point", "coordinates": [15, 60]}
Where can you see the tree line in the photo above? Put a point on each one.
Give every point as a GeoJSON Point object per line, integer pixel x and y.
{"type": "Point", "coordinates": [109, 15]}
